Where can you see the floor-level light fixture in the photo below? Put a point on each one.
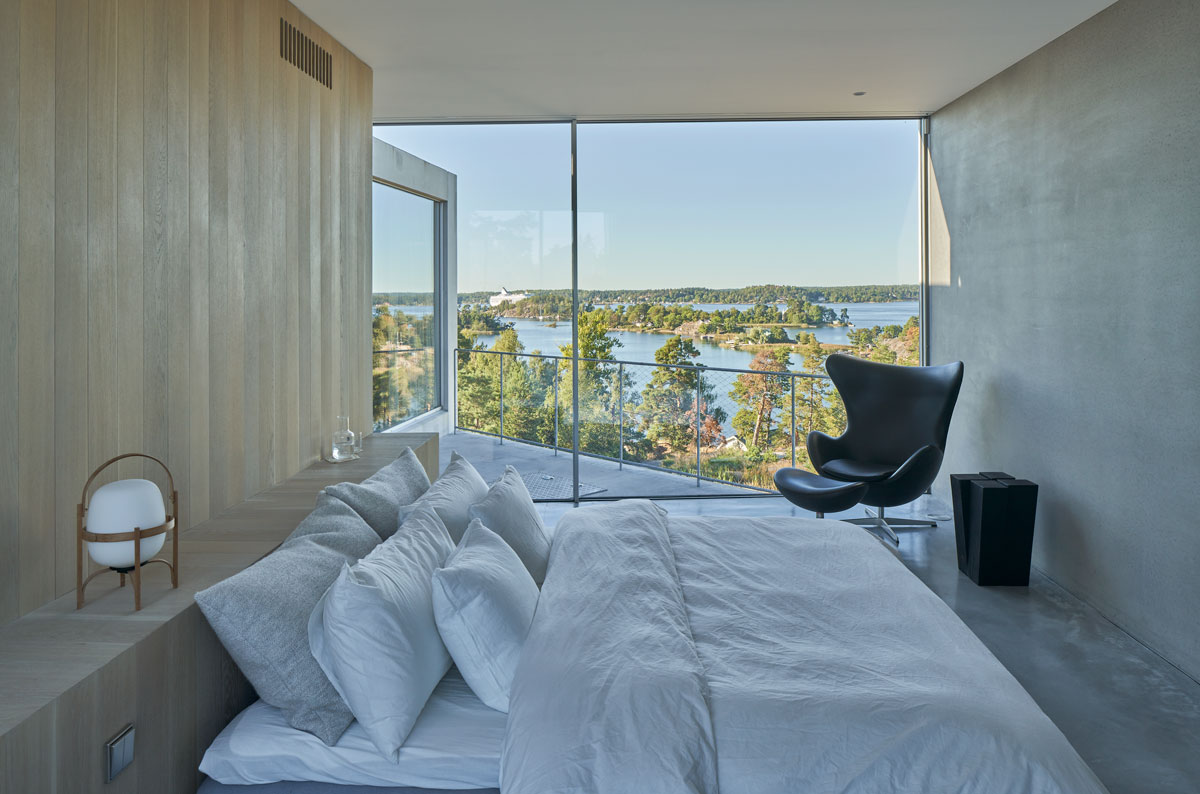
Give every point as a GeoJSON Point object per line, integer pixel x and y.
{"type": "Point", "coordinates": [124, 525]}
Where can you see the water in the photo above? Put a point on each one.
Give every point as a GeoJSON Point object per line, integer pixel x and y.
{"type": "Point", "coordinates": [536, 336]}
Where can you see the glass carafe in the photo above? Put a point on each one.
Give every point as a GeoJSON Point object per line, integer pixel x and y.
{"type": "Point", "coordinates": [343, 440]}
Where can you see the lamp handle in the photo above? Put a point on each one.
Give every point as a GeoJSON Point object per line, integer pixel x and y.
{"type": "Point", "coordinates": [83, 500]}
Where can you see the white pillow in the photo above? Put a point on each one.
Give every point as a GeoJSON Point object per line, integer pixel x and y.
{"type": "Point", "coordinates": [508, 510]}
{"type": "Point", "coordinates": [484, 601]}
{"type": "Point", "coordinates": [374, 634]}
{"type": "Point", "coordinates": [452, 495]}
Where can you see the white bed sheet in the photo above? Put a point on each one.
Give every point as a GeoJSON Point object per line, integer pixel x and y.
{"type": "Point", "coordinates": [455, 744]}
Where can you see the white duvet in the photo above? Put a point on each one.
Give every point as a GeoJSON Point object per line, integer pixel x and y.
{"type": "Point", "coordinates": [739, 655]}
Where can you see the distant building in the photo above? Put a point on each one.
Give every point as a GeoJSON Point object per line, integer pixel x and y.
{"type": "Point", "coordinates": [504, 296]}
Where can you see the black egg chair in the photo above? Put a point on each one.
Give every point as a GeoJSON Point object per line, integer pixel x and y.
{"type": "Point", "coordinates": [897, 419]}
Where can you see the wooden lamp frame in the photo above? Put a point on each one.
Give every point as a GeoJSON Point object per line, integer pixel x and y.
{"type": "Point", "coordinates": [136, 536]}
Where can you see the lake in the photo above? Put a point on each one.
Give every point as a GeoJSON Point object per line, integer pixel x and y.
{"type": "Point", "coordinates": [536, 336]}
{"type": "Point", "coordinates": [635, 346]}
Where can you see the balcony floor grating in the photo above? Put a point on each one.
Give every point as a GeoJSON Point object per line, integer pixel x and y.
{"type": "Point", "coordinates": [544, 485]}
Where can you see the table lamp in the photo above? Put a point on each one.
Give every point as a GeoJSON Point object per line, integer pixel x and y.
{"type": "Point", "coordinates": [123, 525]}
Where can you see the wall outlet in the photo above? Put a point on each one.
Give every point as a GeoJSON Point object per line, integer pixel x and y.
{"type": "Point", "coordinates": [119, 751]}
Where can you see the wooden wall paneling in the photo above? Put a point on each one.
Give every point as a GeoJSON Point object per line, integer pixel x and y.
{"type": "Point", "coordinates": [76, 733]}
{"type": "Point", "coordinates": [234, 418]}
{"type": "Point", "coordinates": [70, 280]}
{"type": "Point", "coordinates": [130, 307]}
{"type": "Point", "coordinates": [288, 163]}
{"type": "Point", "coordinates": [27, 754]}
{"type": "Point", "coordinates": [195, 499]}
{"type": "Point", "coordinates": [155, 685]}
{"type": "Point", "coordinates": [366, 86]}
{"type": "Point", "coordinates": [319, 425]}
{"type": "Point", "coordinates": [10, 76]}
{"type": "Point", "coordinates": [349, 270]}
{"type": "Point", "coordinates": [330, 248]}
{"type": "Point", "coordinates": [250, 245]}
{"type": "Point", "coordinates": [155, 330]}
{"type": "Point", "coordinates": [181, 701]}
{"type": "Point", "coordinates": [220, 358]}
{"type": "Point", "coordinates": [301, 168]}
{"type": "Point", "coordinates": [178, 305]}
{"type": "Point", "coordinates": [183, 266]}
{"type": "Point", "coordinates": [35, 312]}
{"type": "Point", "coordinates": [271, 340]}
{"type": "Point", "coordinates": [102, 235]}
{"type": "Point", "coordinates": [116, 707]}
{"type": "Point", "coordinates": [364, 132]}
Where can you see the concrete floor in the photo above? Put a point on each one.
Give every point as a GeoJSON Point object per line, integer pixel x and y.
{"type": "Point", "coordinates": [1133, 717]}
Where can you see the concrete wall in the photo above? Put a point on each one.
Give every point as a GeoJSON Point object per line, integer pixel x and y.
{"type": "Point", "coordinates": [1065, 272]}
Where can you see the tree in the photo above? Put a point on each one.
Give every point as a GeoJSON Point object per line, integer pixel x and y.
{"type": "Point", "coordinates": [759, 395]}
{"type": "Point", "coordinates": [669, 401]}
{"type": "Point", "coordinates": [602, 388]}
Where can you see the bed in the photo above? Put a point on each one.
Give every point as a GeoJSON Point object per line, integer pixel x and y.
{"type": "Point", "coordinates": [760, 655]}
{"type": "Point", "coordinates": [454, 746]}
{"type": "Point", "coordinates": [706, 655]}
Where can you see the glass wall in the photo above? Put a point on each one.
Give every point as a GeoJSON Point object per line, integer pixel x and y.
{"type": "Point", "coordinates": [711, 252]}
{"type": "Point", "coordinates": [404, 315]}
{"type": "Point", "coordinates": [719, 265]}
{"type": "Point", "coordinates": [514, 272]}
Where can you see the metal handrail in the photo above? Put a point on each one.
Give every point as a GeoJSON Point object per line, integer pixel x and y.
{"type": "Point", "coordinates": [621, 460]}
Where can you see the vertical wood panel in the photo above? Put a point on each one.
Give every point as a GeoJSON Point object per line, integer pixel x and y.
{"type": "Point", "coordinates": [70, 279]}
{"type": "Point", "coordinates": [10, 75]}
{"type": "Point", "coordinates": [233, 418]}
{"type": "Point", "coordinates": [309, 399]}
{"type": "Point", "coordinates": [197, 497]}
{"type": "Point", "coordinates": [291, 391]}
{"type": "Point", "coordinates": [183, 263]}
{"type": "Point", "coordinates": [155, 338]}
{"type": "Point", "coordinates": [130, 224]}
{"type": "Point", "coordinates": [219, 346]}
{"type": "Point", "coordinates": [27, 754]}
{"type": "Point", "coordinates": [269, 285]}
{"type": "Point", "coordinates": [251, 441]}
{"type": "Point", "coordinates": [179, 300]}
{"type": "Point", "coordinates": [102, 233]}
{"type": "Point", "coordinates": [35, 313]}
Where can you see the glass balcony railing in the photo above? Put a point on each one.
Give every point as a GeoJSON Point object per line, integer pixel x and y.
{"type": "Point", "coordinates": [733, 426]}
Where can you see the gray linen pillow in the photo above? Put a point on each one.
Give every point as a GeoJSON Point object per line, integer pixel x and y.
{"type": "Point", "coordinates": [378, 498]}
{"type": "Point", "coordinates": [451, 496]}
{"type": "Point", "coordinates": [509, 511]}
{"type": "Point", "coordinates": [261, 616]}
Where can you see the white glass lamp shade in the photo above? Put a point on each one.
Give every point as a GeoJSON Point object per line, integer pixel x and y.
{"type": "Point", "coordinates": [120, 507]}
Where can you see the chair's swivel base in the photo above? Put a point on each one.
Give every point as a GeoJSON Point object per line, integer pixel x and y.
{"type": "Point", "coordinates": [875, 518]}
{"type": "Point", "coordinates": [816, 493]}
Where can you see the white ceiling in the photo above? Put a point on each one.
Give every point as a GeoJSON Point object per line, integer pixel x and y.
{"type": "Point", "coordinates": [539, 59]}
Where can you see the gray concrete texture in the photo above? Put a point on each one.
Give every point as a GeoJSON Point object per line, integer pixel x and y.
{"type": "Point", "coordinates": [1065, 273]}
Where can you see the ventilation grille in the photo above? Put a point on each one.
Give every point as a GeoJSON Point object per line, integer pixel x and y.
{"type": "Point", "coordinates": [305, 54]}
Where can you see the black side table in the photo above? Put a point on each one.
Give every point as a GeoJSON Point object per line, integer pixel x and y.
{"type": "Point", "coordinates": [993, 526]}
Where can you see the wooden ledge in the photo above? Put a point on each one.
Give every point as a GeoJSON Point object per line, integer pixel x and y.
{"type": "Point", "coordinates": [70, 679]}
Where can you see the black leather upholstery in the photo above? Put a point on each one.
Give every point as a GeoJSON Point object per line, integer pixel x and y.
{"type": "Point", "coordinates": [819, 494]}
{"type": "Point", "coordinates": [897, 419]}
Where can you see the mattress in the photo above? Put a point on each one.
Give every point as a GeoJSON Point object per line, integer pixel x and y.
{"type": "Point", "coordinates": [454, 746]}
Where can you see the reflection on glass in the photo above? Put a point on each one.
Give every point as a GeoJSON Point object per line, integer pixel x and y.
{"type": "Point", "coordinates": [514, 271]}
{"type": "Point", "coordinates": [404, 306]}
{"type": "Point", "coordinates": [731, 258]}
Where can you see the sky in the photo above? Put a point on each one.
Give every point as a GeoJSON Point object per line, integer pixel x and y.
{"type": "Point", "coordinates": [713, 204]}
